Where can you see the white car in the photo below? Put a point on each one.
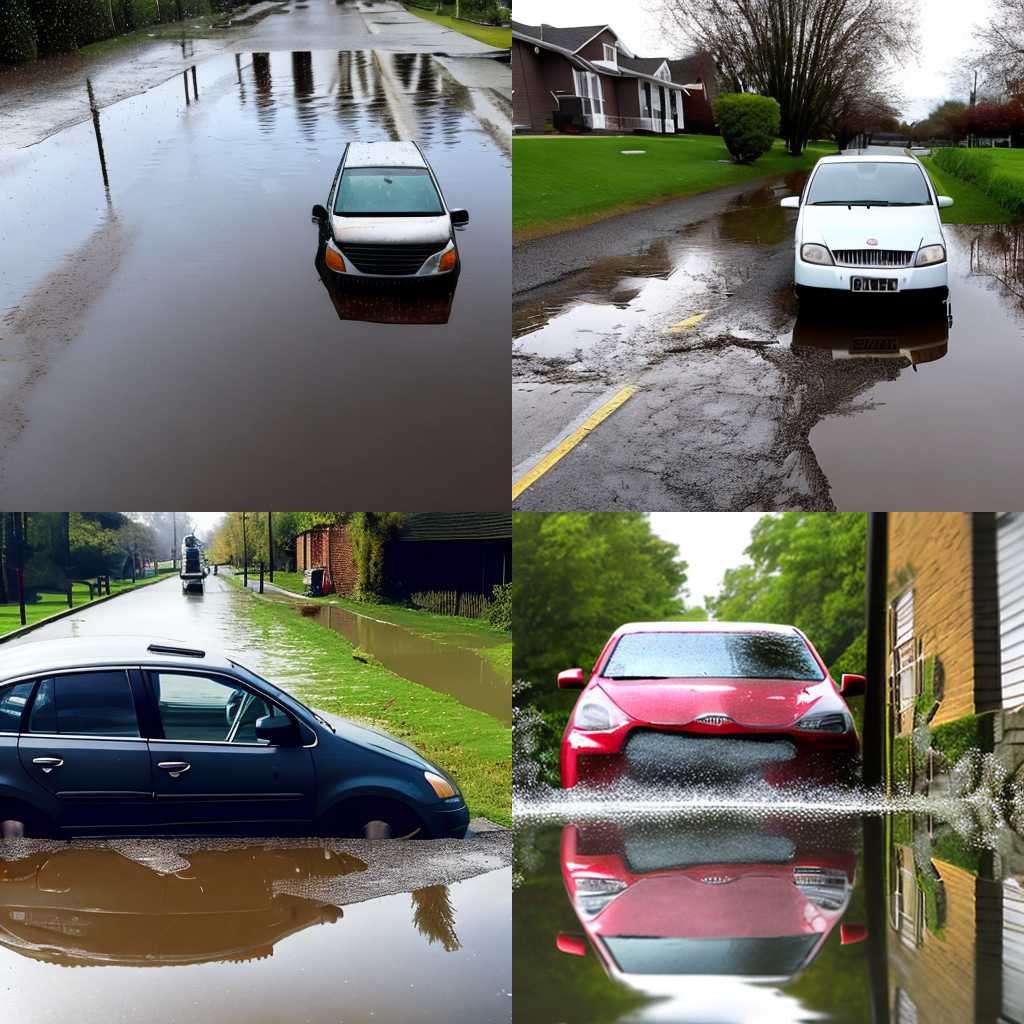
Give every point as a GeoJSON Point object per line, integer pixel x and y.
{"type": "Point", "coordinates": [869, 225]}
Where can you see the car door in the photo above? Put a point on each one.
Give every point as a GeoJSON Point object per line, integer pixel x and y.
{"type": "Point", "coordinates": [82, 743]}
{"type": "Point", "coordinates": [210, 773]}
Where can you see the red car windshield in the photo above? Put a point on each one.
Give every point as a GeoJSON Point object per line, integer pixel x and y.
{"type": "Point", "coordinates": [712, 655]}
{"type": "Point", "coordinates": [781, 956]}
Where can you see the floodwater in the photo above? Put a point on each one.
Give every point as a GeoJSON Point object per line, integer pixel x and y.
{"type": "Point", "coordinates": [892, 407]}
{"type": "Point", "coordinates": [255, 933]}
{"type": "Point", "coordinates": [181, 305]}
{"type": "Point", "coordinates": [469, 677]}
{"type": "Point", "coordinates": [781, 917]}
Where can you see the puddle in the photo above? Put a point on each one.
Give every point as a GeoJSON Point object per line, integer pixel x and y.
{"type": "Point", "coordinates": [469, 678]}
{"type": "Point", "coordinates": [207, 222]}
{"type": "Point", "coordinates": [248, 932]}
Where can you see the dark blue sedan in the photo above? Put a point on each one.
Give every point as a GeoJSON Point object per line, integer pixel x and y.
{"type": "Point", "coordinates": [126, 736]}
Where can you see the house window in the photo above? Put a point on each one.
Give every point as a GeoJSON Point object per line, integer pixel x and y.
{"type": "Point", "coordinates": [588, 85]}
{"type": "Point", "coordinates": [904, 649]}
{"type": "Point", "coordinates": [610, 54]}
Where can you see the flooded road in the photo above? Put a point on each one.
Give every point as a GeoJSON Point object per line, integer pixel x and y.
{"type": "Point", "coordinates": [183, 302]}
{"type": "Point", "coordinates": [741, 403]}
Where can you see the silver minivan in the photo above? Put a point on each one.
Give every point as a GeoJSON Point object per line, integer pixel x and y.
{"type": "Point", "coordinates": [386, 216]}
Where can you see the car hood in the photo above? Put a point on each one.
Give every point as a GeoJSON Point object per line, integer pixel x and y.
{"type": "Point", "coordinates": [760, 703]}
{"type": "Point", "coordinates": [391, 230]}
{"type": "Point", "coordinates": [894, 227]}
{"type": "Point", "coordinates": [367, 736]}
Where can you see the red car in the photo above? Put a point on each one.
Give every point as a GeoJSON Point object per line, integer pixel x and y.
{"type": "Point", "coordinates": [652, 905]}
{"type": "Point", "coordinates": [660, 690]}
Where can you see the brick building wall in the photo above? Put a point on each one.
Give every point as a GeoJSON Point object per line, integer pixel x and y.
{"type": "Point", "coordinates": [328, 546]}
{"type": "Point", "coordinates": [932, 553]}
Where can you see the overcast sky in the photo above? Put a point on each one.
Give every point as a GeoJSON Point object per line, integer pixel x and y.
{"type": "Point", "coordinates": [710, 542]}
{"type": "Point", "coordinates": [205, 521]}
{"type": "Point", "coordinates": [946, 27]}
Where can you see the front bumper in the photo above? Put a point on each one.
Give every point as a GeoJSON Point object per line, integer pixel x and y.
{"type": "Point", "coordinates": [911, 279]}
{"type": "Point", "coordinates": [448, 822]}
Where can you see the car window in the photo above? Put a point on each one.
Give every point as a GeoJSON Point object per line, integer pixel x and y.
{"type": "Point", "coordinates": [12, 703]}
{"type": "Point", "coordinates": [387, 191]}
{"type": "Point", "coordinates": [85, 704]}
{"type": "Point", "coordinates": [864, 181]}
{"type": "Point", "coordinates": [197, 707]}
{"type": "Point", "coordinates": [712, 655]}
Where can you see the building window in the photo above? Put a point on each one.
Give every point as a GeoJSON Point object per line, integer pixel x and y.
{"type": "Point", "coordinates": [588, 85]}
{"type": "Point", "coordinates": [610, 54]}
{"type": "Point", "coordinates": [904, 650]}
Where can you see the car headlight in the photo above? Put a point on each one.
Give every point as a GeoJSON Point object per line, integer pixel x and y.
{"type": "Point", "coordinates": [597, 713]}
{"type": "Point", "coordinates": [814, 253]}
{"type": "Point", "coordinates": [333, 257]}
{"type": "Point", "coordinates": [441, 786]}
{"type": "Point", "coordinates": [930, 254]}
{"type": "Point", "coordinates": [594, 894]}
{"type": "Point", "coordinates": [443, 261]}
{"type": "Point", "coordinates": [829, 721]}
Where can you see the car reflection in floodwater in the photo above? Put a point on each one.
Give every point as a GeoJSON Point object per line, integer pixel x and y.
{"type": "Point", "coordinates": [428, 302]}
{"type": "Point", "coordinates": [915, 334]}
{"type": "Point", "coordinates": [92, 906]}
{"type": "Point", "coordinates": [659, 904]}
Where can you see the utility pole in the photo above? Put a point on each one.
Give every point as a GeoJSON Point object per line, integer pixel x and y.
{"type": "Point", "coordinates": [875, 697]}
{"type": "Point", "coordinates": [245, 556]}
{"type": "Point", "coordinates": [21, 535]}
{"type": "Point", "coordinates": [66, 516]}
{"type": "Point", "coordinates": [174, 542]}
{"type": "Point", "coordinates": [270, 544]}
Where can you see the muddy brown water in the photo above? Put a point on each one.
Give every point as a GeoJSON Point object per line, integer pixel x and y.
{"type": "Point", "coordinates": [468, 677]}
{"type": "Point", "coordinates": [251, 932]}
{"type": "Point", "coordinates": [198, 263]}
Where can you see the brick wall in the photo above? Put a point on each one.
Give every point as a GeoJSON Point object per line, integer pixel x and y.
{"type": "Point", "coordinates": [932, 552]}
{"type": "Point", "coordinates": [329, 546]}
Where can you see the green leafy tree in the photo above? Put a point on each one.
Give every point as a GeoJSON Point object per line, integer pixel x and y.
{"type": "Point", "coordinates": [806, 569]}
{"type": "Point", "coordinates": [749, 124]}
{"type": "Point", "coordinates": [56, 25]}
{"type": "Point", "coordinates": [17, 33]}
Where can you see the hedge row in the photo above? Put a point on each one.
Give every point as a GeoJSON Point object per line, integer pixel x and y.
{"type": "Point", "coordinates": [978, 167]}
{"type": "Point", "coordinates": [485, 11]}
{"type": "Point", "coordinates": [32, 27]}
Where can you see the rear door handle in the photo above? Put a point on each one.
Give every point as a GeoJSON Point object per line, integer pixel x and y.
{"type": "Point", "coordinates": [174, 768]}
{"type": "Point", "coordinates": [48, 763]}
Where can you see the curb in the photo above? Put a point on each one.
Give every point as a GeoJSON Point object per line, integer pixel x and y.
{"type": "Point", "coordinates": [24, 630]}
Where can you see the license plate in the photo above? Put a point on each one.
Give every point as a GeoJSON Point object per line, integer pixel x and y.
{"type": "Point", "coordinates": [874, 284]}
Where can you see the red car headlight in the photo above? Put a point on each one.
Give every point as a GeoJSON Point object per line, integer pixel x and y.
{"type": "Point", "coordinates": [829, 721]}
{"type": "Point", "coordinates": [596, 712]}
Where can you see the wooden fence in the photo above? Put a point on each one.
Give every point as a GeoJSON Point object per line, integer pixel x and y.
{"type": "Point", "coordinates": [451, 602]}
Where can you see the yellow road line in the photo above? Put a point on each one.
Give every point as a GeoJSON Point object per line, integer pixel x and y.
{"type": "Point", "coordinates": [560, 451]}
{"type": "Point", "coordinates": [685, 325]}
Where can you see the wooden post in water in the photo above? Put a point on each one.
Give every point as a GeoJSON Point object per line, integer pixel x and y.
{"type": "Point", "coordinates": [184, 76]}
{"type": "Point", "coordinates": [875, 696]}
{"type": "Point", "coordinates": [195, 84]}
{"type": "Point", "coordinates": [96, 128]}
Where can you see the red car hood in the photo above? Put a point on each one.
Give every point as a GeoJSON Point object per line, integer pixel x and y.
{"type": "Point", "coordinates": [761, 703]}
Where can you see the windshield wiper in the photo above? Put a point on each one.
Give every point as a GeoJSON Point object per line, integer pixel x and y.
{"type": "Point", "coordinates": [853, 202]}
{"type": "Point", "coordinates": [617, 678]}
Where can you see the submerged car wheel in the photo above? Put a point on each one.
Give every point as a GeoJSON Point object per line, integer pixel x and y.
{"type": "Point", "coordinates": [19, 822]}
{"type": "Point", "coordinates": [373, 818]}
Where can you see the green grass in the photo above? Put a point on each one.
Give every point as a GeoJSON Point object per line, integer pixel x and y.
{"type": "Point", "coordinates": [492, 35]}
{"type": "Point", "coordinates": [970, 204]}
{"type": "Point", "coordinates": [51, 603]}
{"type": "Point", "coordinates": [474, 747]}
{"type": "Point", "coordinates": [562, 182]}
{"type": "Point", "coordinates": [501, 656]}
{"type": "Point", "coordinates": [998, 173]}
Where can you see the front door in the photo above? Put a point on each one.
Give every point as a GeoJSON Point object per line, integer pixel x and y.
{"type": "Point", "coordinates": [210, 773]}
{"type": "Point", "coordinates": [82, 743]}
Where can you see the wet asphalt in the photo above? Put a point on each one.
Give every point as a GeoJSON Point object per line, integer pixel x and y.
{"type": "Point", "coordinates": [750, 406]}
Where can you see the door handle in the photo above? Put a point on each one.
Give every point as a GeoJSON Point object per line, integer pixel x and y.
{"type": "Point", "coordinates": [174, 768]}
{"type": "Point", "coordinates": [48, 763]}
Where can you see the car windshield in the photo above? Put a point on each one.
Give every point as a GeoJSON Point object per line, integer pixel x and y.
{"type": "Point", "coordinates": [782, 955]}
{"type": "Point", "coordinates": [868, 183]}
{"type": "Point", "coordinates": [387, 192]}
{"type": "Point", "coordinates": [715, 655]}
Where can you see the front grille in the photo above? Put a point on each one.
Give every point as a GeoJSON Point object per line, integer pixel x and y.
{"type": "Point", "coordinates": [399, 260]}
{"type": "Point", "coordinates": [713, 719]}
{"type": "Point", "coordinates": [872, 257]}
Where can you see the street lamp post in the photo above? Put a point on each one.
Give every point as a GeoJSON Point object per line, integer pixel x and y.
{"type": "Point", "coordinates": [270, 544]}
{"type": "Point", "coordinates": [245, 556]}
{"type": "Point", "coordinates": [174, 542]}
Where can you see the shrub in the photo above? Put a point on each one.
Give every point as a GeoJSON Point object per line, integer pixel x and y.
{"type": "Point", "coordinates": [56, 26]}
{"type": "Point", "coordinates": [749, 124]}
{"type": "Point", "coordinates": [499, 611]}
{"type": "Point", "coordinates": [369, 533]}
{"type": "Point", "coordinates": [979, 167]}
{"type": "Point", "coordinates": [17, 33]}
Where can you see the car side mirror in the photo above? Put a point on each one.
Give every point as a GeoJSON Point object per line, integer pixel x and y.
{"type": "Point", "coordinates": [459, 217]}
{"type": "Point", "coordinates": [852, 685]}
{"type": "Point", "coordinates": [790, 203]}
{"type": "Point", "coordinates": [571, 679]}
{"type": "Point", "coordinates": [945, 201]}
{"type": "Point", "coordinates": [319, 214]}
{"type": "Point", "coordinates": [571, 944]}
{"type": "Point", "coordinates": [278, 731]}
{"type": "Point", "coordinates": [851, 934]}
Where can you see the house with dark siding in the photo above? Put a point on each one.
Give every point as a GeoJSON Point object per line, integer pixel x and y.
{"type": "Point", "coordinates": [619, 91]}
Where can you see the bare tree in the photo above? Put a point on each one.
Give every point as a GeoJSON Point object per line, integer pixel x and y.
{"type": "Point", "coordinates": [1001, 48]}
{"type": "Point", "coordinates": [808, 54]}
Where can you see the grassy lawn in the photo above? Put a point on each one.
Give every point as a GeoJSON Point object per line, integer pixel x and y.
{"type": "Point", "coordinates": [51, 603]}
{"type": "Point", "coordinates": [971, 205]}
{"type": "Point", "coordinates": [492, 35]}
{"type": "Point", "coordinates": [473, 746]}
{"type": "Point", "coordinates": [564, 182]}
